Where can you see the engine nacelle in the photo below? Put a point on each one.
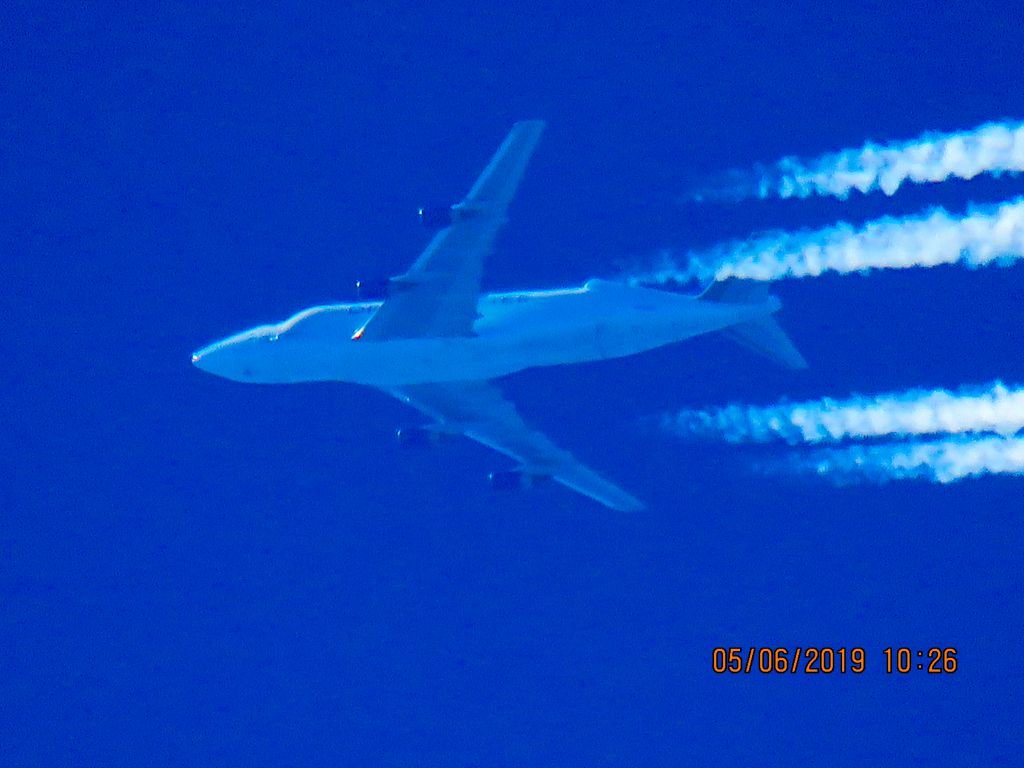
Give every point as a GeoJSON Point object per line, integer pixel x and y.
{"type": "Point", "coordinates": [514, 480]}
{"type": "Point", "coordinates": [373, 290]}
{"type": "Point", "coordinates": [417, 437]}
{"type": "Point", "coordinates": [436, 216]}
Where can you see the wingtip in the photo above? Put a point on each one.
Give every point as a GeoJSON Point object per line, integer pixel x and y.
{"type": "Point", "coordinates": [622, 501]}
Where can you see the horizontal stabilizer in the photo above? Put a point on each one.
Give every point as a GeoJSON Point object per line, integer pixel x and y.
{"type": "Point", "coordinates": [766, 337]}
{"type": "Point", "coordinates": [763, 335]}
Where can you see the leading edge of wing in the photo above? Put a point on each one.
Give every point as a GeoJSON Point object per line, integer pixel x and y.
{"type": "Point", "coordinates": [498, 182]}
{"type": "Point", "coordinates": [438, 295]}
{"type": "Point", "coordinates": [480, 412]}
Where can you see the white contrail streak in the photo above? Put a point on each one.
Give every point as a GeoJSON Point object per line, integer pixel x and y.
{"type": "Point", "coordinates": [943, 461]}
{"type": "Point", "coordinates": [993, 148]}
{"type": "Point", "coordinates": [997, 409]}
{"type": "Point", "coordinates": [982, 236]}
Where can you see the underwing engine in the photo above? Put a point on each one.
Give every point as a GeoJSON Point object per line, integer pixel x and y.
{"type": "Point", "coordinates": [515, 480]}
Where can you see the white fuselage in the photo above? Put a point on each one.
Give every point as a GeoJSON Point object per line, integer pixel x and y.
{"type": "Point", "coordinates": [519, 330]}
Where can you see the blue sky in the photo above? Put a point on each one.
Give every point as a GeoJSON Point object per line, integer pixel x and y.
{"type": "Point", "coordinates": [200, 572]}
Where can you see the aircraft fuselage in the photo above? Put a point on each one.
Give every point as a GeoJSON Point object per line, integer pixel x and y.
{"type": "Point", "coordinates": [514, 331]}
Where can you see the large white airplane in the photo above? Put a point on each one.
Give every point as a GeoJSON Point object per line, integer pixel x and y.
{"type": "Point", "coordinates": [434, 342]}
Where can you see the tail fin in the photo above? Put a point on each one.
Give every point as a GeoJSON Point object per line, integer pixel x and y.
{"type": "Point", "coordinates": [764, 335]}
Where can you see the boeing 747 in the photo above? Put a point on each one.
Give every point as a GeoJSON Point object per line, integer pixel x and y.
{"type": "Point", "coordinates": [435, 342]}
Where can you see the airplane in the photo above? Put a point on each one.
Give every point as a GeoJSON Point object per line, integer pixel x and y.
{"type": "Point", "coordinates": [435, 343]}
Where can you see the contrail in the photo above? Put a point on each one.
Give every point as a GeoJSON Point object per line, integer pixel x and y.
{"type": "Point", "coordinates": [942, 461]}
{"type": "Point", "coordinates": [993, 148]}
{"type": "Point", "coordinates": [997, 408]}
{"type": "Point", "coordinates": [984, 235]}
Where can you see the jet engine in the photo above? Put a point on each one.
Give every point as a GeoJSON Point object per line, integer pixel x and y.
{"type": "Point", "coordinates": [436, 216]}
{"type": "Point", "coordinates": [417, 437]}
{"type": "Point", "coordinates": [514, 480]}
{"type": "Point", "coordinates": [373, 290]}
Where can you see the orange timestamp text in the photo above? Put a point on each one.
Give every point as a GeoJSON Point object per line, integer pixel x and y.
{"type": "Point", "coordinates": [826, 660]}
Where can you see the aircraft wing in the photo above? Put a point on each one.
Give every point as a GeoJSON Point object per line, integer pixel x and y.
{"type": "Point", "coordinates": [439, 293]}
{"type": "Point", "coordinates": [478, 410]}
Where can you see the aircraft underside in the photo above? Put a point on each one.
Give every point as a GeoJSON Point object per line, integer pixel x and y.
{"type": "Point", "coordinates": [435, 341]}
